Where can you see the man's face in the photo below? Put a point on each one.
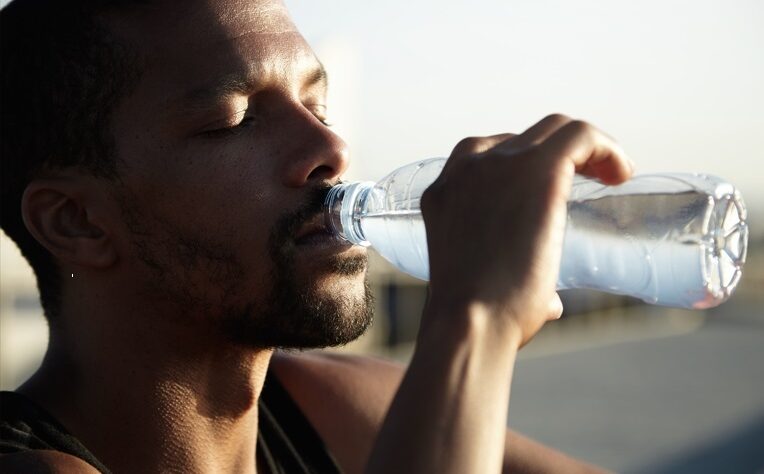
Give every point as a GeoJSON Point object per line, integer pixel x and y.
{"type": "Point", "coordinates": [225, 158]}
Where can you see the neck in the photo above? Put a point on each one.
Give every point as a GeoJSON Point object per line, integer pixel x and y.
{"type": "Point", "coordinates": [153, 399]}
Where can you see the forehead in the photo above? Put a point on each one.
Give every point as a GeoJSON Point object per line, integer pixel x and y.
{"type": "Point", "coordinates": [209, 19]}
{"type": "Point", "coordinates": [193, 23]}
{"type": "Point", "coordinates": [188, 45]}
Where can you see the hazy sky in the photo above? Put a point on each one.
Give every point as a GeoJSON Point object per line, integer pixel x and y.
{"type": "Point", "coordinates": [678, 83]}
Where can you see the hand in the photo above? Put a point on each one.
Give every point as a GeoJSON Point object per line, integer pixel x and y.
{"type": "Point", "coordinates": [495, 219]}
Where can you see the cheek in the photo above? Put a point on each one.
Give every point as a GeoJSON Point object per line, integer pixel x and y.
{"type": "Point", "coordinates": [203, 256]}
{"type": "Point", "coordinates": [214, 193]}
{"type": "Point", "coordinates": [235, 221]}
{"type": "Point", "coordinates": [229, 171]}
{"type": "Point", "coordinates": [221, 193]}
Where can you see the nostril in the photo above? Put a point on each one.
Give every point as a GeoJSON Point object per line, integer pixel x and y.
{"type": "Point", "coordinates": [321, 172]}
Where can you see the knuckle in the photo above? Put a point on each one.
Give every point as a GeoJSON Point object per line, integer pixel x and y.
{"type": "Point", "coordinates": [468, 146]}
{"type": "Point", "coordinates": [580, 127]}
{"type": "Point", "coordinates": [556, 118]}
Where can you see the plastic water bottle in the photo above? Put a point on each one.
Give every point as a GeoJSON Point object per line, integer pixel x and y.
{"type": "Point", "coordinates": [672, 239]}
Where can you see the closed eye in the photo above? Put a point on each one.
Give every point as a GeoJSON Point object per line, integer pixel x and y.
{"type": "Point", "coordinates": [222, 132]}
{"type": "Point", "coordinates": [319, 111]}
{"type": "Point", "coordinates": [247, 121]}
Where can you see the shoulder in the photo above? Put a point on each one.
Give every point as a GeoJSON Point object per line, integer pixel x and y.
{"type": "Point", "coordinates": [346, 375]}
{"type": "Point", "coordinates": [361, 386]}
{"type": "Point", "coordinates": [345, 397]}
{"type": "Point", "coordinates": [44, 461]}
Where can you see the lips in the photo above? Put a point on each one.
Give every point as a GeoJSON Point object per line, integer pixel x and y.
{"type": "Point", "coordinates": [313, 231]}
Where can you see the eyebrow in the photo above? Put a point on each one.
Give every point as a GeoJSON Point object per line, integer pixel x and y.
{"type": "Point", "coordinates": [240, 84]}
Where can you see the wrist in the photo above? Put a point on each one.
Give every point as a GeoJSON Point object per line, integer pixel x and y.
{"type": "Point", "coordinates": [471, 322]}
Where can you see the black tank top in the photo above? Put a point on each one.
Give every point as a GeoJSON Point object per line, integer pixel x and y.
{"type": "Point", "coordinates": [286, 441]}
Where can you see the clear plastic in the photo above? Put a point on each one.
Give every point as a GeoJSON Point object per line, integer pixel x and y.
{"type": "Point", "coordinates": [674, 239]}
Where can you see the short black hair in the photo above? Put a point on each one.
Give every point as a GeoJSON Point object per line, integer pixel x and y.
{"type": "Point", "coordinates": [63, 73]}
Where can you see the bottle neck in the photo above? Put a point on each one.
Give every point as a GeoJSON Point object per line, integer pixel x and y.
{"type": "Point", "coordinates": [343, 207]}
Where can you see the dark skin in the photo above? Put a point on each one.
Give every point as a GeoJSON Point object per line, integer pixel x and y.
{"type": "Point", "coordinates": [147, 350]}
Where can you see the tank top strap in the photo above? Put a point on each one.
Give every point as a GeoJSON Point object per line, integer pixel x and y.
{"type": "Point", "coordinates": [287, 437]}
{"type": "Point", "coordinates": [26, 426]}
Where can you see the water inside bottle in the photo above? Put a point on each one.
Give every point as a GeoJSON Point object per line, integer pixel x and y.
{"type": "Point", "coordinates": [400, 237]}
{"type": "Point", "coordinates": [682, 249]}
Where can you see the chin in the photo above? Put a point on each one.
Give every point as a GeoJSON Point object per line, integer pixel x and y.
{"type": "Point", "coordinates": [319, 297]}
{"type": "Point", "coordinates": [342, 280]}
{"type": "Point", "coordinates": [352, 264]}
{"type": "Point", "coordinates": [312, 310]}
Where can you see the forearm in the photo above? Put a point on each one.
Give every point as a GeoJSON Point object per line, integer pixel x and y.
{"type": "Point", "coordinates": [450, 412]}
{"type": "Point", "coordinates": [524, 455]}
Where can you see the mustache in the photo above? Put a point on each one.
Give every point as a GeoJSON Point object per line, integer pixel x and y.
{"type": "Point", "coordinates": [289, 223]}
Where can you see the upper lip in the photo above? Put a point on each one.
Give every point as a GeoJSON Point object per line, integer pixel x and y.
{"type": "Point", "coordinates": [315, 225]}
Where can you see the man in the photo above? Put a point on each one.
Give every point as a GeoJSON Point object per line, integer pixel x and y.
{"type": "Point", "coordinates": [164, 166]}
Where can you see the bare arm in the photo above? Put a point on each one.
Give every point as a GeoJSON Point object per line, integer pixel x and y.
{"type": "Point", "coordinates": [43, 462]}
{"type": "Point", "coordinates": [346, 398]}
{"type": "Point", "coordinates": [492, 287]}
{"type": "Point", "coordinates": [449, 413]}
{"type": "Point", "coordinates": [524, 455]}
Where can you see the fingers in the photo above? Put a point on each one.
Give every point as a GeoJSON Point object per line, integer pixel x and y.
{"type": "Point", "coordinates": [478, 145]}
{"type": "Point", "coordinates": [591, 152]}
{"type": "Point", "coordinates": [537, 133]}
{"type": "Point", "coordinates": [472, 146]}
{"type": "Point", "coordinates": [557, 137]}
{"type": "Point", "coordinates": [532, 136]}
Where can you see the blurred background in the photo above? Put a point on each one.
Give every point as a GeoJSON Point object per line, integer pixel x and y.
{"type": "Point", "coordinates": [631, 387]}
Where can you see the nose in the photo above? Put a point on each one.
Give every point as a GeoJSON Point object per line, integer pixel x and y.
{"type": "Point", "coordinates": [314, 152]}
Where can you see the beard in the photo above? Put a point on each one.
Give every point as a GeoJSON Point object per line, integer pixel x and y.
{"type": "Point", "coordinates": [295, 314]}
{"type": "Point", "coordinates": [202, 277]}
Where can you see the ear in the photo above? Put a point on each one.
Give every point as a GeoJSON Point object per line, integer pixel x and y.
{"type": "Point", "coordinates": [62, 215]}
